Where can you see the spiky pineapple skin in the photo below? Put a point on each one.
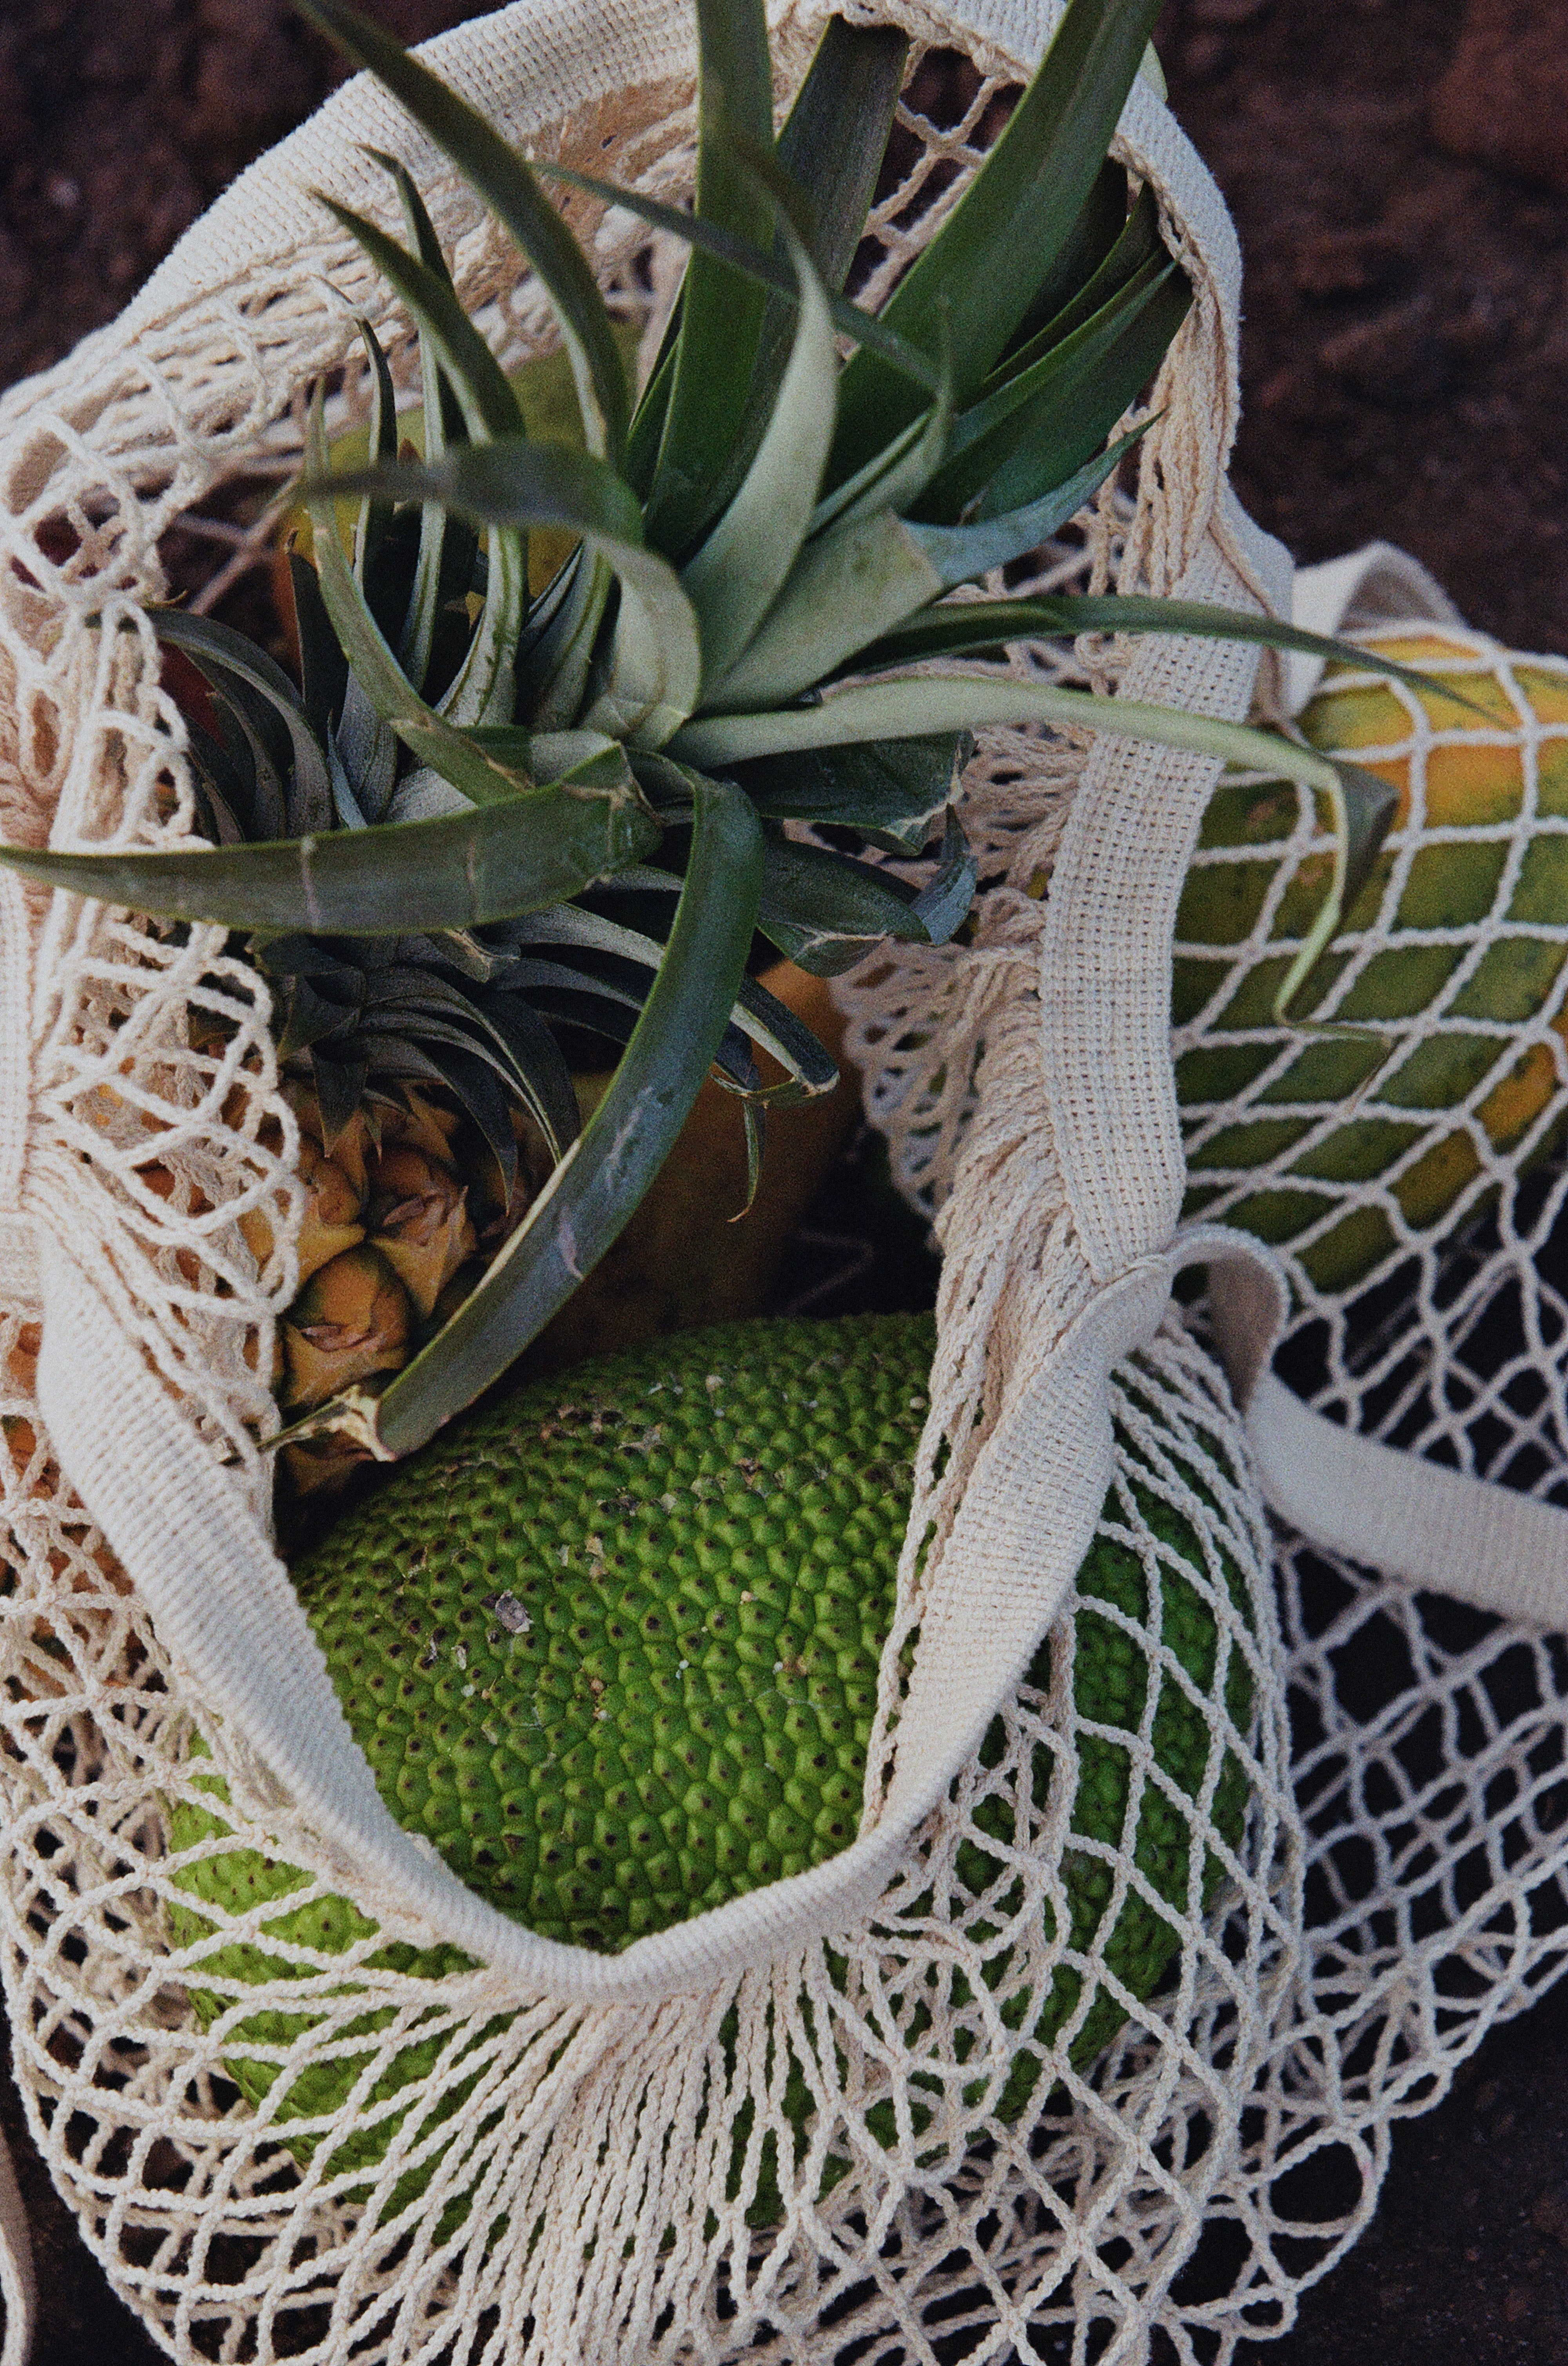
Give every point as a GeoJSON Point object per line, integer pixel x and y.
{"type": "Point", "coordinates": [694, 1253]}
{"type": "Point", "coordinates": [1473, 792]}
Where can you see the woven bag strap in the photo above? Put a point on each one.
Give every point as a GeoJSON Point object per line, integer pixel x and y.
{"type": "Point", "coordinates": [1414, 1519]}
{"type": "Point", "coordinates": [1411, 1518]}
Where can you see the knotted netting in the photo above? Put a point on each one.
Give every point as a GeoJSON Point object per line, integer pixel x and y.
{"type": "Point", "coordinates": [1405, 1150]}
{"type": "Point", "coordinates": [397, 2126]}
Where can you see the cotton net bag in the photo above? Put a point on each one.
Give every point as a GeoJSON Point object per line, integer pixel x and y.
{"type": "Point", "coordinates": [1412, 1436]}
{"type": "Point", "coordinates": [475, 2143]}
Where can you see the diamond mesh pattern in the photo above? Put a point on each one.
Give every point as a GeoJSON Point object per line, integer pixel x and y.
{"type": "Point", "coordinates": [917, 2208]}
{"type": "Point", "coordinates": [606, 2225]}
{"type": "Point", "coordinates": [1430, 1735]}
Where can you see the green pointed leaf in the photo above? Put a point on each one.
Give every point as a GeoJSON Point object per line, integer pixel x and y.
{"type": "Point", "coordinates": [571, 924]}
{"type": "Point", "coordinates": [555, 986]}
{"type": "Point", "coordinates": [1082, 263]}
{"type": "Point", "coordinates": [226, 658]}
{"type": "Point", "coordinates": [220, 798]}
{"type": "Point", "coordinates": [243, 721]}
{"type": "Point", "coordinates": [631, 697]}
{"type": "Point", "coordinates": [545, 1082]}
{"type": "Point", "coordinates": [1069, 421]}
{"type": "Point", "coordinates": [757, 1013]}
{"type": "Point", "coordinates": [373, 671]}
{"type": "Point", "coordinates": [598, 1185]}
{"type": "Point", "coordinates": [552, 682]}
{"type": "Point", "coordinates": [836, 134]}
{"type": "Point", "coordinates": [755, 1120]}
{"type": "Point", "coordinates": [830, 152]}
{"type": "Point", "coordinates": [1138, 244]}
{"type": "Point", "coordinates": [774, 1027]}
{"type": "Point", "coordinates": [417, 636]}
{"type": "Point", "coordinates": [768, 270]}
{"type": "Point", "coordinates": [513, 1043]}
{"type": "Point", "coordinates": [362, 757]}
{"type": "Point", "coordinates": [910, 709]}
{"type": "Point", "coordinates": [851, 585]}
{"type": "Point", "coordinates": [832, 141]}
{"type": "Point", "coordinates": [860, 495]}
{"type": "Point", "coordinates": [435, 635]}
{"type": "Point", "coordinates": [474, 1085]}
{"type": "Point", "coordinates": [827, 911]}
{"type": "Point", "coordinates": [462, 871]}
{"type": "Point", "coordinates": [894, 791]}
{"type": "Point", "coordinates": [226, 766]}
{"type": "Point", "coordinates": [646, 432]}
{"type": "Point", "coordinates": [575, 932]}
{"type": "Point", "coordinates": [309, 1017]}
{"type": "Point", "coordinates": [484, 690]}
{"type": "Point", "coordinates": [897, 478]}
{"type": "Point", "coordinates": [982, 269]}
{"type": "Point", "coordinates": [489, 405]}
{"type": "Point", "coordinates": [596, 1010]}
{"type": "Point", "coordinates": [376, 517]}
{"type": "Point", "coordinates": [340, 1093]}
{"type": "Point", "coordinates": [1364, 808]}
{"type": "Point", "coordinates": [518, 482]}
{"type": "Point", "coordinates": [1039, 426]}
{"type": "Point", "coordinates": [510, 482]}
{"type": "Point", "coordinates": [479, 1093]}
{"type": "Point", "coordinates": [544, 616]}
{"type": "Point", "coordinates": [971, 626]}
{"type": "Point", "coordinates": [508, 187]}
{"type": "Point", "coordinates": [351, 815]}
{"type": "Point", "coordinates": [959, 553]}
{"type": "Point", "coordinates": [720, 310]}
{"type": "Point", "coordinates": [943, 902]}
{"type": "Point", "coordinates": [975, 628]}
{"type": "Point", "coordinates": [734, 577]}
{"type": "Point", "coordinates": [323, 668]}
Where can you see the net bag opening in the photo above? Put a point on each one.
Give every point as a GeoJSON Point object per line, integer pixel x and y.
{"type": "Point", "coordinates": [988, 2069]}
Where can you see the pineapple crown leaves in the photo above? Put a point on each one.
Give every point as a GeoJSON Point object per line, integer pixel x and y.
{"type": "Point", "coordinates": [571, 802]}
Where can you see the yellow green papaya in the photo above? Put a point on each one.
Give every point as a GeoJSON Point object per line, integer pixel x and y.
{"type": "Point", "coordinates": [1411, 1072]}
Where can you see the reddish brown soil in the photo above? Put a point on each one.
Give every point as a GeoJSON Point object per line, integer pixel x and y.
{"type": "Point", "coordinates": [1404, 352]}
{"type": "Point", "coordinates": [1405, 340]}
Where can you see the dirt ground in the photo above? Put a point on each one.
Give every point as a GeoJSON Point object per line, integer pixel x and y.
{"type": "Point", "coordinates": [1406, 338]}
{"type": "Point", "coordinates": [1405, 351]}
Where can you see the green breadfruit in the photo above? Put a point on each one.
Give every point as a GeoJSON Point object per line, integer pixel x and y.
{"type": "Point", "coordinates": [613, 1645]}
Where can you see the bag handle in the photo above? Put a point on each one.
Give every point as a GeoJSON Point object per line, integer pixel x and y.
{"type": "Point", "coordinates": [1445, 1529]}
{"type": "Point", "coordinates": [1378, 584]}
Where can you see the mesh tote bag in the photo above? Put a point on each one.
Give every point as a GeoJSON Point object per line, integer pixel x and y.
{"type": "Point", "coordinates": [1410, 1438]}
{"type": "Point", "coordinates": [400, 2127]}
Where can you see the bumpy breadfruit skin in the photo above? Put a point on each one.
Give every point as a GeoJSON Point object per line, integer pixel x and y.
{"type": "Point", "coordinates": [702, 1537]}
{"type": "Point", "coordinates": [613, 1644]}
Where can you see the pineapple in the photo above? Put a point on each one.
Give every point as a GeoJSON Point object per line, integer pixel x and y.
{"type": "Point", "coordinates": [566, 715]}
